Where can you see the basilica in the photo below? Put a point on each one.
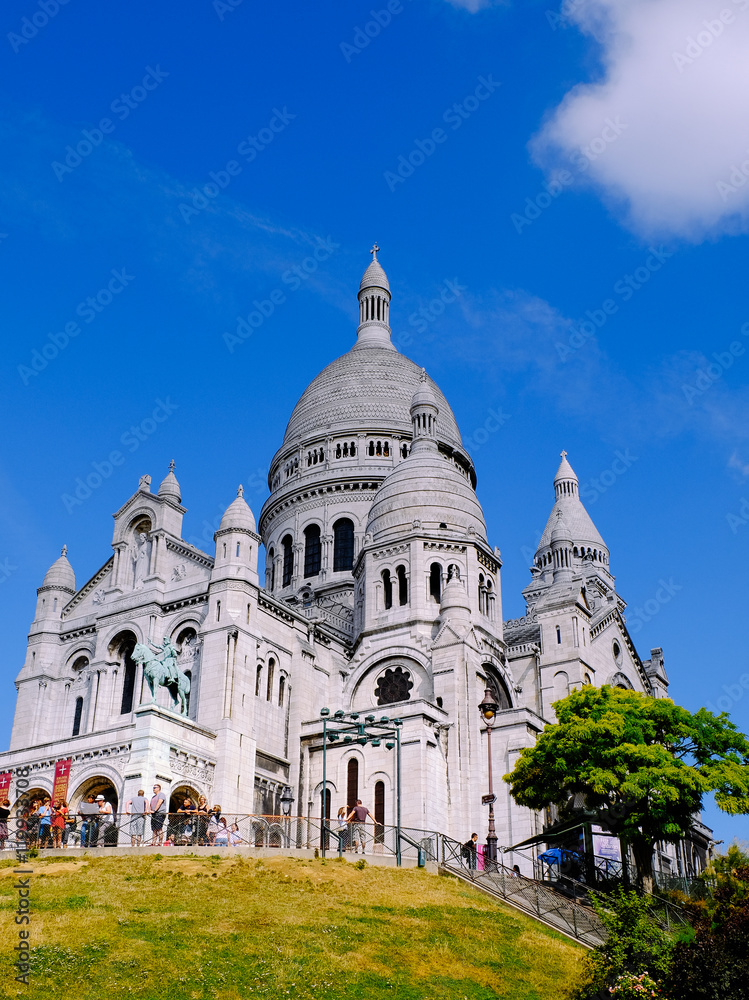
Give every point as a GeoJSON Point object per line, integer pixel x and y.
{"type": "Point", "coordinates": [381, 595]}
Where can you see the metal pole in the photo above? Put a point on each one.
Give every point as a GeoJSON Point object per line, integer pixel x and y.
{"type": "Point", "coordinates": [491, 840]}
{"type": "Point", "coordinates": [398, 796]}
{"type": "Point", "coordinates": [324, 781]}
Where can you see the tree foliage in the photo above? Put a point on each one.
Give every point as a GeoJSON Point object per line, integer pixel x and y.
{"type": "Point", "coordinates": [714, 963]}
{"type": "Point", "coordinates": [635, 946]}
{"type": "Point", "coordinates": [642, 764]}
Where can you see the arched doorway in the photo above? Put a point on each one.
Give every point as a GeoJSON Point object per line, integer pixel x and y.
{"type": "Point", "coordinates": [182, 829]}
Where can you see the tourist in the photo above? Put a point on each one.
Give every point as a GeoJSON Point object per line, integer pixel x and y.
{"type": "Point", "coordinates": [137, 808]}
{"type": "Point", "coordinates": [202, 820]}
{"type": "Point", "coordinates": [213, 824]}
{"type": "Point", "coordinates": [32, 823]}
{"type": "Point", "coordinates": [44, 812]}
{"type": "Point", "coordinates": [222, 834]}
{"type": "Point", "coordinates": [187, 826]}
{"type": "Point", "coordinates": [4, 816]}
{"type": "Point", "coordinates": [157, 807]}
{"type": "Point", "coordinates": [468, 851]}
{"type": "Point", "coordinates": [71, 824]}
{"type": "Point", "coordinates": [59, 817]}
{"type": "Point", "coordinates": [515, 872]}
{"type": "Point", "coordinates": [358, 831]}
{"type": "Point", "coordinates": [89, 813]}
{"type": "Point", "coordinates": [107, 829]}
{"type": "Point", "coordinates": [342, 829]}
{"type": "Point", "coordinates": [234, 837]}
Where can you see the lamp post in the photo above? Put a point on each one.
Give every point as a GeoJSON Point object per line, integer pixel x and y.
{"type": "Point", "coordinates": [287, 801]}
{"type": "Point", "coordinates": [351, 728]}
{"type": "Point", "coordinates": [488, 709]}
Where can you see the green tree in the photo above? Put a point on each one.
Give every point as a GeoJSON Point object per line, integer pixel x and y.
{"type": "Point", "coordinates": [643, 765]}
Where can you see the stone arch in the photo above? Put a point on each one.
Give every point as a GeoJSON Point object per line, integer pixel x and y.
{"type": "Point", "coordinates": [97, 784]}
{"type": "Point", "coordinates": [368, 671]}
{"type": "Point", "coordinates": [500, 685]}
{"type": "Point", "coordinates": [119, 651]}
{"type": "Point", "coordinates": [620, 680]}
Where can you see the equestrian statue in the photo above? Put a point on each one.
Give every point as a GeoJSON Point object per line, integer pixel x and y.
{"type": "Point", "coordinates": [160, 670]}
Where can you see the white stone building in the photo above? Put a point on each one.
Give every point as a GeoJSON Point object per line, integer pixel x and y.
{"type": "Point", "coordinates": [381, 594]}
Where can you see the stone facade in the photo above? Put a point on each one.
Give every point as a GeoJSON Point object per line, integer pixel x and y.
{"type": "Point", "coordinates": [381, 594]}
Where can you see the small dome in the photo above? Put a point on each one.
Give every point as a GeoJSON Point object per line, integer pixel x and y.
{"type": "Point", "coordinates": [425, 488]}
{"type": "Point", "coordinates": [60, 574]}
{"type": "Point", "coordinates": [238, 515]}
{"type": "Point", "coordinates": [425, 394]}
{"type": "Point", "coordinates": [560, 532]}
{"type": "Point", "coordinates": [374, 276]}
{"type": "Point", "coordinates": [455, 604]}
{"type": "Point", "coordinates": [170, 487]}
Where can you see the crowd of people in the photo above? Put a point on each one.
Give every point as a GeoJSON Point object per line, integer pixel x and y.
{"type": "Point", "coordinates": [44, 824]}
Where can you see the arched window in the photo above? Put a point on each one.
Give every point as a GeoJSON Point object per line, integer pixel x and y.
{"type": "Point", "coordinates": [343, 545]}
{"type": "Point", "coordinates": [394, 685]}
{"type": "Point", "coordinates": [128, 685]}
{"type": "Point", "coordinates": [379, 811]}
{"type": "Point", "coordinates": [271, 665]}
{"type": "Point", "coordinates": [498, 688]}
{"type": "Point", "coordinates": [435, 582]}
{"type": "Point", "coordinates": [352, 783]}
{"type": "Point", "coordinates": [312, 550]}
{"type": "Point", "coordinates": [287, 545]}
{"type": "Point", "coordinates": [218, 611]}
{"type": "Point", "coordinates": [387, 588]}
{"type": "Point", "coordinates": [402, 585]}
{"type": "Point", "coordinates": [258, 680]}
{"type": "Point", "coordinates": [281, 690]}
{"type": "Point", "coordinates": [77, 716]}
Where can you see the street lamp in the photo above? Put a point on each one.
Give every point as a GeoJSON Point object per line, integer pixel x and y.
{"type": "Point", "coordinates": [488, 709]}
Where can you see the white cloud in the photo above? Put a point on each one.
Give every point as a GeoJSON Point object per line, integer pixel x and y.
{"type": "Point", "coordinates": [677, 76]}
{"type": "Point", "coordinates": [472, 6]}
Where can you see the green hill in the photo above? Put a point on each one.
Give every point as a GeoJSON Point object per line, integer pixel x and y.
{"type": "Point", "coordinates": [236, 928]}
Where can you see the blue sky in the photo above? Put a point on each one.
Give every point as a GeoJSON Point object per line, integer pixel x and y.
{"type": "Point", "coordinates": [578, 172]}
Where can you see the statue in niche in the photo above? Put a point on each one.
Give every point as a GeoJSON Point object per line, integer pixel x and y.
{"type": "Point", "coordinates": [141, 559]}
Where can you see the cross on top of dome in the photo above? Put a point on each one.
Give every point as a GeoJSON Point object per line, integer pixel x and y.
{"type": "Point", "coordinates": [374, 251]}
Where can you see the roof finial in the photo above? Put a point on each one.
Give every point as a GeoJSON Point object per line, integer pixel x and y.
{"type": "Point", "coordinates": [563, 454]}
{"type": "Point", "coordinates": [64, 550]}
{"type": "Point", "coordinates": [374, 251]}
{"type": "Point", "coordinates": [171, 466]}
{"type": "Point", "coordinates": [240, 491]}
{"type": "Point", "coordinates": [423, 376]}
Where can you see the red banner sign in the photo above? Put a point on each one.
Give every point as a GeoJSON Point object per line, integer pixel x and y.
{"type": "Point", "coordinates": [60, 785]}
{"type": "Point", "coordinates": [5, 780]}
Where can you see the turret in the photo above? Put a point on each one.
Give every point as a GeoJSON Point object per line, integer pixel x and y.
{"type": "Point", "coordinates": [56, 590]}
{"type": "Point", "coordinates": [374, 306]}
{"type": "Point", "coordinates": [236, 542]}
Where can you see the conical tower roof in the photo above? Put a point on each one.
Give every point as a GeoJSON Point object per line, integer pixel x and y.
{"type": "Point", "coordinates": [60, 574]}
{"type": "Point", "coordinates": [170, 488]}
{"type": "Point", "coordinates": [569, 514]}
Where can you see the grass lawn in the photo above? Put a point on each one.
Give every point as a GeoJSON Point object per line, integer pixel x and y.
{"type": "Point", "coordinates": [238, 928]}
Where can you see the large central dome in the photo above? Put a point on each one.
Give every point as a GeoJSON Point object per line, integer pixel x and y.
{"type": "Point", "coordinates": [369, 388]}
